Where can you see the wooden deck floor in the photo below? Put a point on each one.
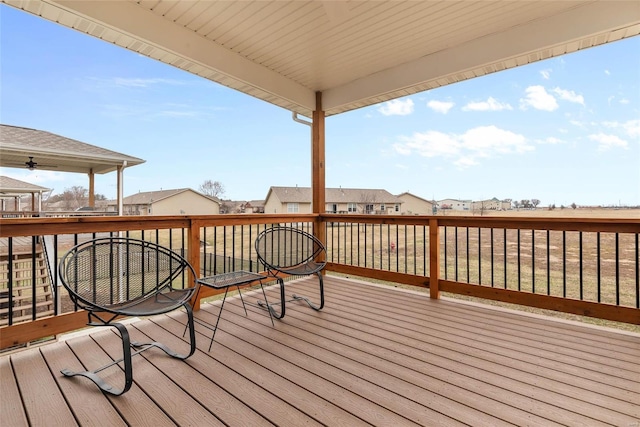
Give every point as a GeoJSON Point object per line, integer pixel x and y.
{"type": "Point", "coordinates": [373, 356]}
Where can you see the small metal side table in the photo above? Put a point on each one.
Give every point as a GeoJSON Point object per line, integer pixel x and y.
{"type": "Point", "coordinates": [225, 281]}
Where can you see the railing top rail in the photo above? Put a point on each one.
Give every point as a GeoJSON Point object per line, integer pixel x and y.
{"type": "Point", "coordinates": [621, 225]}
{"type": "Point", "coordinates": [15, 227]}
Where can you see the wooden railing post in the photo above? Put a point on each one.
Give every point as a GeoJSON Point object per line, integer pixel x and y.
{"type": "Point", "coordinates": [194, 256]}
{"type": "Point", "coordinates": [434, 259]}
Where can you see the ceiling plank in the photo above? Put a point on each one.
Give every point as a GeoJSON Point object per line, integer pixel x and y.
{"type": "Point", "coordinates": [163, 34]}
{"type": "Point", "coordinates": [515, 43]}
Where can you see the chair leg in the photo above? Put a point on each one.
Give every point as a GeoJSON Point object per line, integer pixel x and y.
{"type": "Point", "coordinates": [309, 303]}
{"type": "Point", "coordinates": [270, 307]}
{"type": "Point", "coordinates": [127, 354]}
{"type": "Point", "coordinates": [128, 368]}
{"type": "Point", "coordinates": [264, 294]}
{"type": "Point", "coordinates": [192, 339]}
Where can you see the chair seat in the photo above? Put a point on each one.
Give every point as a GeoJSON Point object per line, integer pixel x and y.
{"type": "Point", "coordinates": [151, 305]}
{"type": "Point", "coordinates": [305, 269]}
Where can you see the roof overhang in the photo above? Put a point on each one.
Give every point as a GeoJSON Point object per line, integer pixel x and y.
{"type": "Point", "coordinates": [57, 153]}
{"type": "Point", "coordinates": [357, 53]}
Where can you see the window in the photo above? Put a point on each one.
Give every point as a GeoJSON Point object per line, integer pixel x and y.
{"type": "Point", "coordinates": [351, 207]}
{"type": "Point", "coordinates": [293, 208]}
{"type": "Point", "coordinates": [368, 208]}
{"type": "Point", "coordinates": [382, 207]}
{"type": "Point", "coordinates": [397, 207]}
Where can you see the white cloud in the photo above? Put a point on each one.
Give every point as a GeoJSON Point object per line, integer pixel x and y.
{"type": "Point", "coordinates": [550, 140]}
{"type": "Point", "coordinates": [630, 127]}
{"type": "Point", "coordinates": [440, 106]}
{"type": "Point", "coordinates": [546, 74]}
{"type": "Point", "coordinates": [487, 140]}
{"type": "Point", "coordinates": [538, 98]}
{"type": "Point", "coordinates": [463, 149]}
{"type": "Point", "coordinates": [396, 107]}
{"type": "Point", "coordinates": [491, 104]}
{"type": "Point", "coordinates": [569, 95]}
{"type": "Point", "coordinates": [624, 101]}
{"type": "Point", "coordinates": [607, 142]}
{"type": "Point", "coordinates": [607, 72]}
{"type": "Point", "coordinates": [428, 144]}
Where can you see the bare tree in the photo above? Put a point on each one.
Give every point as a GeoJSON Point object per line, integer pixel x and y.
{"type": "Point", "coordinates": [75, 197]}
{"type": "Point", "coordinates": [366, 204]}
{"type": "Point", "coordinates": [212, 188]}
{"type": "Point", "coordinates": [479, 208]}
{"type": "Point", "coordinates": [535, 202]}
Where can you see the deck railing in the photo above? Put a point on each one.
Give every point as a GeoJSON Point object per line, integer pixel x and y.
{"type": "Point", "coordinates": [581, 266]}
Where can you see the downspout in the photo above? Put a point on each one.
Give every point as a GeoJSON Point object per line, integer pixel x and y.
{"type": "Point", "coordinates": [299, 120]}
{"type": "Point", "coordinates": [121, 186]}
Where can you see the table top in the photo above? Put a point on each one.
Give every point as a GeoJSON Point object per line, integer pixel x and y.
{"type": "Point", "coordinates": [232, 278]}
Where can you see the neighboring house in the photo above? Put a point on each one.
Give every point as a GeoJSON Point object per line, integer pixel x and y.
{"type": "Point", "coordinates": [182, 201]}
{"type": "Point", "coordinates": [491, 205]}
{"type": "Point", "coordinates": [454, 204]}
{"type": "Point", "coordinates": [337, 200]}
{"type": "Point", "coordinates": [254, 206]}
{"type": "Point", "coordinates": [414, 205]}
{"type": "Point", "coordinates": [241, 206]}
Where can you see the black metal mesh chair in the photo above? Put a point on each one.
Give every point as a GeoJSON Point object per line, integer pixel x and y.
{"type": "Point", "coordinates": [293, 252]}
{"type": "Point", "coordinates": [112, 277]}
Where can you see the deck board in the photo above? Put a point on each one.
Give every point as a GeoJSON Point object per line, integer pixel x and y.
{"type": "Point", "coordinates": [374, 356]}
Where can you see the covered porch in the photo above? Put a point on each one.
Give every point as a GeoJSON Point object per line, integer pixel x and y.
{"type": "Point", "coordinates": [376, 355]}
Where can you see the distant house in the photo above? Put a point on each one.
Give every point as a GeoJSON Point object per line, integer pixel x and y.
{"type": "Point", "coordinates": [491, 205]}
{"type": "Point", "coordinates": [337, 200]}
{"type": "Point", "coordinates": [182, 201]}
{"type": "Point", "coordinates": [455, 204]}
{"type": "Point", "coordinates": [241, 206]}
{"type": "Point", "coordinates": [414, 205]}
{"type": "Point", "coordinates": [254, 206]}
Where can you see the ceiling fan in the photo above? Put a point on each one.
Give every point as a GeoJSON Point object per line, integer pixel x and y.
{"type": "Point", "coordinates": [31, 165]}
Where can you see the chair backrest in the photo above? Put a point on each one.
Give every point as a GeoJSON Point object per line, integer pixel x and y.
{"type": "Point", "coordinates": [109, 271]}
{"type": "Point", "coordinates": [284, 247]}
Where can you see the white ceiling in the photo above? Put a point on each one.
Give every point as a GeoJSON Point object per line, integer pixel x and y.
{"type": "Point", "coordinates": [357, 53]}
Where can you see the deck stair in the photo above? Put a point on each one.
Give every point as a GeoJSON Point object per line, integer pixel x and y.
{"type": "Point", "coordinates": [24, 282]}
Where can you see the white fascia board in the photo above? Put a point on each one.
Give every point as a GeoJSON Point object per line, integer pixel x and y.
{"type": "Point", "coordinates": [571, 25]}
{"type": "Point", "coordinates": [129, 18]}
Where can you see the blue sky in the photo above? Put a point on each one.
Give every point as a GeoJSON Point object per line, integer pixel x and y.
{"type": "Point", "coordinates": [562, 130]}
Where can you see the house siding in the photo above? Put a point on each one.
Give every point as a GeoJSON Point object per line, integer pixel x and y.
{"type": "Point", "coordinates": [413, 205]}
{"type": "Point", "coordinates": [185, 203]}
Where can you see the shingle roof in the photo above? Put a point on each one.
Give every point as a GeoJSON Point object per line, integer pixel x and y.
{"type": "Point", "coordinates": [56, 152]}
{"type": "Point", "coordinates": [335, 195]}
{"type": "Point", "coordinates": [147, 197]}
{"type": "Point", "coordinates": [406, 193]}
{"type": "Point", "coordinates": [11, 185]}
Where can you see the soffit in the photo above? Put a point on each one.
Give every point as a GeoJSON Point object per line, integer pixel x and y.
{"type": "Point", "coordinates": [357, 53]}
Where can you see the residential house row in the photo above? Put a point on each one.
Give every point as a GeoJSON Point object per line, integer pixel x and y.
{"type": "Point", "coordinates": [281, 200]}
